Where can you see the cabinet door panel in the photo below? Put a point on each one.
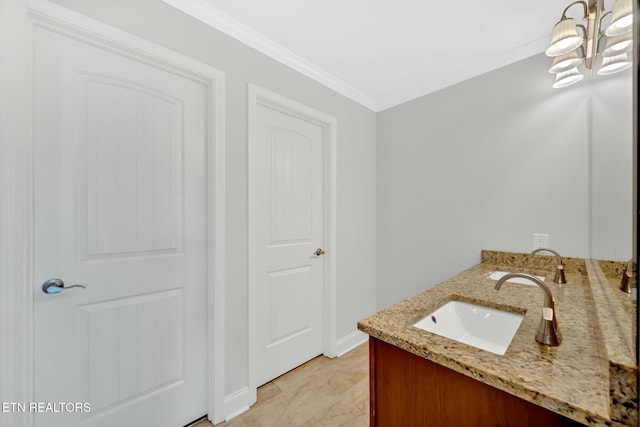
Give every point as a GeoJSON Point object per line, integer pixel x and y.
{"type": "Point", "coordinates": [407, 390]}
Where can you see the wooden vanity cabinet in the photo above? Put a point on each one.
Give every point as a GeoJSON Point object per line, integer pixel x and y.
{"type": "Point", "coordinates": [407, 390]}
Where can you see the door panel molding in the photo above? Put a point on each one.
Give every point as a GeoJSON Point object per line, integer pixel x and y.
{"type": "Point", "coordinates": [16, 222]}
{"type": "Point", "coordinates": [260, 97]}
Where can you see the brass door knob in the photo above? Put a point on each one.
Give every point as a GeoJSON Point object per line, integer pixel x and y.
{"type": "Point", "coordinates": [318, 252]}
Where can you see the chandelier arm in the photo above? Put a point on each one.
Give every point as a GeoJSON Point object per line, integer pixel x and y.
{"type": "Point", "coordinates": [584, 30]}
{"type": "Point", "coordinates": [583, 50]}
{"type": "Point", "coordinates": [601, 26]}
{"type": "Point", "coordinates": [584, 5]}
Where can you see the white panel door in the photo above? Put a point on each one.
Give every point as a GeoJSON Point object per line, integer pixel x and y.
{"type": "Point", "coordinates": [289, 210]}
{"type": "Point", "coordinates": [120, 203]}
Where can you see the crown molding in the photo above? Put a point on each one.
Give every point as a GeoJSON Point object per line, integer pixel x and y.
{"type": "Point", "coordinates": [204, 12]}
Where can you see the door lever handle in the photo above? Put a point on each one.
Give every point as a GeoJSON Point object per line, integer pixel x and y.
{"type": "Point", "coordinates": [318, 252]}
{"type": "Point", "coordinates": [55, 286]}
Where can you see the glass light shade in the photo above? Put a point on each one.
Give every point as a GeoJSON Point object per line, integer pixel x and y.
{"type": "Point", "coordinates": [614, 64]}
{"type": "Point", "coordinates": [564, 38]}
{"type": "Point", "coordinates": [565, 62]}
{"type": "Point", "coordinates": [567, 78]}
{"type": "Point", "coordinates": [621, 18]}
{"type": "Point", "coordinates": [618, 44]}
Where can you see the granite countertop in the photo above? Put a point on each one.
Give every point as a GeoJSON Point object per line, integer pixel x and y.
{"type": "Point", "coordinates": [578, 379]}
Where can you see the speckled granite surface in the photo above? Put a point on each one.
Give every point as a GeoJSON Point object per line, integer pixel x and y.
{"type": "Point", "coordinates": [616, 313]}
{"type": "Point", "coordinates": [571, 379]}
{"type": "Point", "coordinates": [542, 262]}
{"type": "Point", "coordinates": [612, 269]}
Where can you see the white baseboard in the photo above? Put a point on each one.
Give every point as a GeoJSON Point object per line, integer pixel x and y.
{"type": "Point", "coordinates": [349, 342]}
{"type": "Point", "coordinates": [236, 403]}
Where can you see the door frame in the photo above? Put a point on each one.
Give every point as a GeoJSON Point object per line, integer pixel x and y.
{"type": "Point", "coordinates": [258, 96]}
{"type": "Point", "coordinates": [16, 227]}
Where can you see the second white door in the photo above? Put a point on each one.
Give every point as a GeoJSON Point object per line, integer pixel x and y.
{"type": "Point", "coordinates": [288, 218]}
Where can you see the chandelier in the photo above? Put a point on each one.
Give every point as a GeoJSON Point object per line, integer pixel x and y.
{"type": "Point", "coordinates": [570, 49]}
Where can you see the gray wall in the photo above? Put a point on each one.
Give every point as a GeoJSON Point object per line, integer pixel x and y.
{"type": "Point", "coordinates": [611, 167]}
{"type": "Point", "coordinates": [489, 161]}
{"type": "Point", "coordinates": [356, 163]}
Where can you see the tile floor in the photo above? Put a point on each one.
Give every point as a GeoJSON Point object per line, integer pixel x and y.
{"type": "Point", "coordinates": [322, 392]}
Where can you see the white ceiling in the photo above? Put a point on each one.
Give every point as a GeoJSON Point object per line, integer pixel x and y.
{"type": "Point", "coordinates": [382, 53]}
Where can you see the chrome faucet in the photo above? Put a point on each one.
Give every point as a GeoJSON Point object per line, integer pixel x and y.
{"type": "Point", "coordinates": [628, 281]}
{"type": "Point", "coordinates": [559, 276]}
{"type": "Point", "coordinates": [548, 332]}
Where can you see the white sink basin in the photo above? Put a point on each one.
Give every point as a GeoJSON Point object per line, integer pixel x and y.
{"type": "Point", "coordinates": [497, 275]}
{"type": "Point", "coordinates": [479, 326]}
